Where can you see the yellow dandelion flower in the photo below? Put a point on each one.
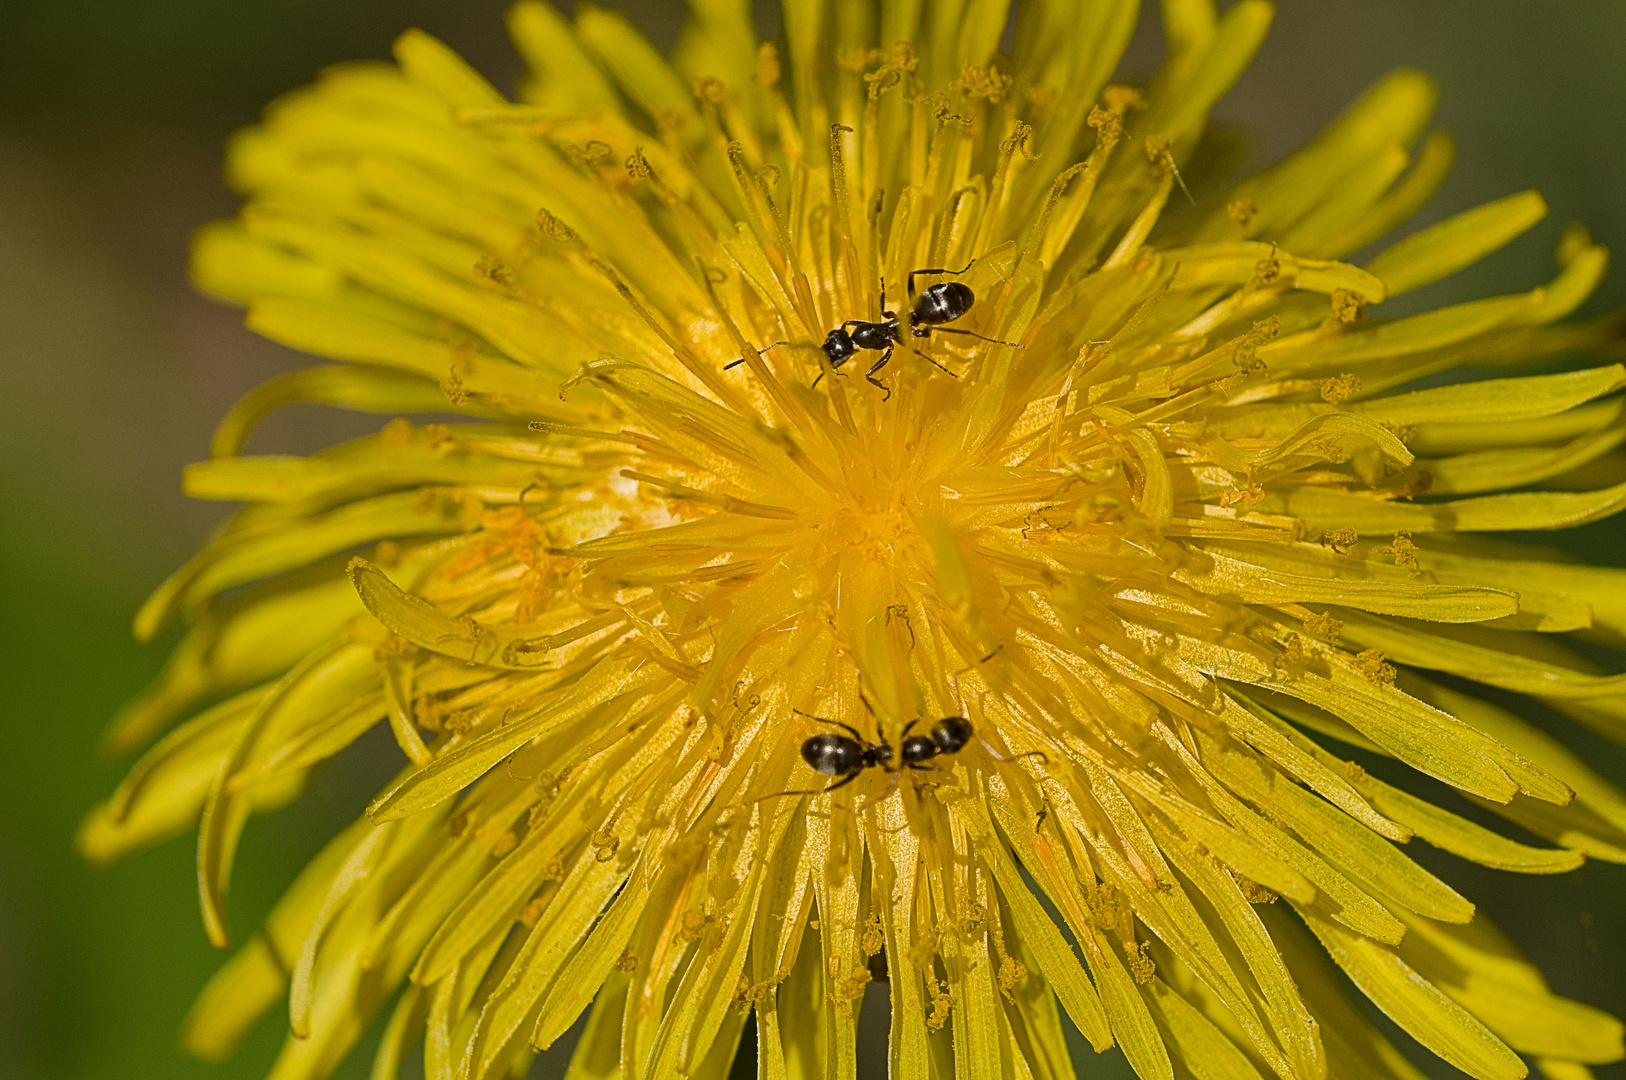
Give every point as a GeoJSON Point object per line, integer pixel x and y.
{"type": "Point", "coordinates": [893, 533]}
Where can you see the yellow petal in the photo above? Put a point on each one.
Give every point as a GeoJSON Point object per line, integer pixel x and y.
{"type": "Point", "coordinates": [1484, 972]}
{"type": "Point", "coordinates": [1418, 1006]}
{"type": "Point", "coordinates": [1443, 249]}
{"type": "Point", "coordinates": [1353, 1041]}
{"type": "Point", "coordinates": [1199, 1046]}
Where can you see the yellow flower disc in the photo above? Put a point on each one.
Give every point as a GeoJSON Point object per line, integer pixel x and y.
{"type": "Point", "coordinates": [938, 418]}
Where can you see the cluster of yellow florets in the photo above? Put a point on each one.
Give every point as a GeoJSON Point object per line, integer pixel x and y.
{"type": "Point", "coordinates": [877, 509]}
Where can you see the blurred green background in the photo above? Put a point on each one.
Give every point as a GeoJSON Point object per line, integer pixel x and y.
{"type": "Point", "coordinates": [112, 374]}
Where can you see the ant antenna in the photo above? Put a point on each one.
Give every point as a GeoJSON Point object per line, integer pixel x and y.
{"type": "Point", "coordinates": [765, 348]}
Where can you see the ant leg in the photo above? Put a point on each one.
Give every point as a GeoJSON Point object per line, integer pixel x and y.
{"type": "Point", "coordinates": [869, 376]}
{"type": "Point", "coordinates": [882, 797]}
{"type": "Point", "coordinates": [936, 270]}
{"type": "Point", "coordinates": [886, 312]}
{"type": "Point", "coordinates": [904, 733]}
{"type": "Point", "coordinates": [868, 704]}
{"type": "Point", "coordinates": [834, 723]}
{"type": "Point", "coordinates": [925, 332]}
{"type": "Point", "coordinates": [979, 337]}
{"type": "Point", "coordinates": [845, 780]}
{"type": "Point", "coordinates": [917, 767]}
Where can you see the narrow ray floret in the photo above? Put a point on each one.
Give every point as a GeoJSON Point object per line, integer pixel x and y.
{"type": "Point", "coordinates": [1125, 600]}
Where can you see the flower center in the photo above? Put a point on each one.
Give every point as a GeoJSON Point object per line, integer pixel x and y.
{"type": "Point", "coordinates": [874, 523]}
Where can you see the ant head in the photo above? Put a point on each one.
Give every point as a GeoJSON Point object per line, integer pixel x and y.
{"type": "Point", "coordinates": [838, 346]}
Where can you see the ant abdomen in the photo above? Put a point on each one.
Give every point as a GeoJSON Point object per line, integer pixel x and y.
{"type": "Point", "coordinates": [837, 755]}
{"type": "Point", "coordinates": [942, 303]}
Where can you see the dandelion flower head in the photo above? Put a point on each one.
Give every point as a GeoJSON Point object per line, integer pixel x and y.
{"type": "Point", "coordinates": [944, 418]}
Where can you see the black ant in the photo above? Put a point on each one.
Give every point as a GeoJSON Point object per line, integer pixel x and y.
{"type": "Point", "coordinates": [939, 304]}
{"type": "Point", "coordinates": [847, 758]}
